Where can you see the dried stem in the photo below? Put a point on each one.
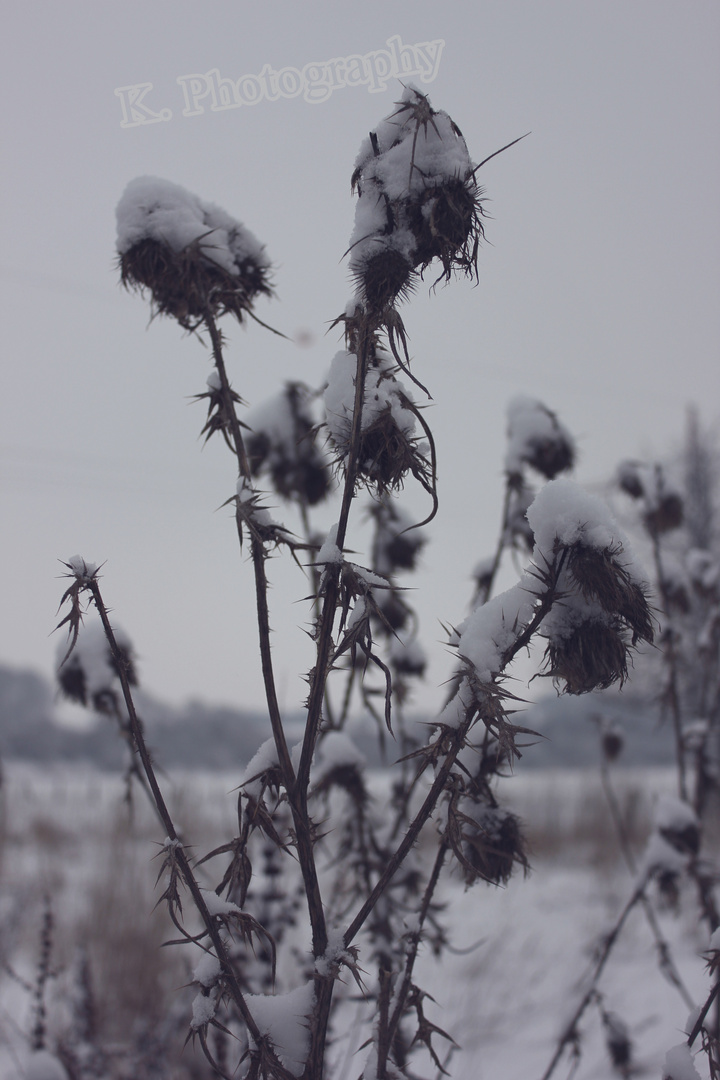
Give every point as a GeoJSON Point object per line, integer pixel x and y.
{"type": "Point", "coordinates": [671, 659]}
{"type": "Point", "coordinates": [700, 1021]}
{"type": "Point", "coordinates": [569, 1034]}
{"type": "Point", "coordinates": [181, 858]}
{"type": "Point", "coordinates": [401, 995]}
{"type": "Point", "coordinates": [665, 960]}
{"type": "Point", "coordinates": [485, 590]}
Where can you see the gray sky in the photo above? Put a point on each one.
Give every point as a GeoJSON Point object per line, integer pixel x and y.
{"type": "Point", "coordinates": [598, 288]}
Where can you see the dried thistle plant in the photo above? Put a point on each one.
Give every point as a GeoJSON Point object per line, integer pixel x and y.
{"type": "Point", "coordinates": [320, 881]}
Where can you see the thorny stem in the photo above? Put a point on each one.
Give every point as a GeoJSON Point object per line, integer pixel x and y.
{"type": "Point", "coordinates": [297, 796]}
{"type": "Point", "coordinates": [445, 769]}
{"type": "Point", "coordinates": [700, 1022]}
{"type": "Point", "coordinates": [327, 618]}
{"type": "Point", "coordinates": [484, 593]}
{"type": "Point", "coordinates": [258, 559]}
{"type": "Point", "coordinates": [703, 883]}
{"type": "Point", "coordinates": [324, 986]}
{"type": "Point", "coordinates": [414, 829]}
{"type": "Point", "coordinates": [401, 995]}
{"type": "Point", "coordinates": [665, 959]}
{"type": "Point", "coordinates": [569, 1034]}
{"type": "Point", "coordinates": [182, 860]}
{"type": "Point", "coordinates": [672, 665]}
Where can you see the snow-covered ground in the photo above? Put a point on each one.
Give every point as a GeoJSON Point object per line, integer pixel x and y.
{"type": "Point", "coordinates": [66, 835]}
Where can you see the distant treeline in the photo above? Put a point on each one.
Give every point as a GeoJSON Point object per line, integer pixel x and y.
{"type": "Point", "coordinates": [207, 736]}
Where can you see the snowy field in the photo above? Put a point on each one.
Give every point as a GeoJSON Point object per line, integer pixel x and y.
{"type": "Point", "coordinates": [67, 836]}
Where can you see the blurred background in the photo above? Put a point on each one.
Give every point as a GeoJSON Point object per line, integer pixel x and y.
{"type": "Point", "coordinates": [597, 290]}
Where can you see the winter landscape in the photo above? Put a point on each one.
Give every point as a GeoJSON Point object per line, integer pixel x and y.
{"type": "Point", "coordinates": [458, 813]}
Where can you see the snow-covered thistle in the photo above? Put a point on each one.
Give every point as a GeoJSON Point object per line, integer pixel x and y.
{"type": "Point", "coordinates": [320, 883]}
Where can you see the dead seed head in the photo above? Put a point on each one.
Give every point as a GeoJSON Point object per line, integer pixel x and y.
{"type": "Point", "coordinates": [187, 284]}
{"type": "Point", "coordinates": [551, 456]}
{"type": "Point", "coordinates": [598, 573]}
{"type": "Point", "coordinates": [349, 778]}
{"type": "Point", "coordinates": [538, 439]}
{"type": "Point", "coordinates": [387, 455]}
{"type": "Point", "coordinates": [629, 478]}
{"type": "Point", "coordinates": [418, 202]}
{"type": "Point", "coordinates": [665, 513]}
{"type": "Point", "coordinates": [395, 612]}
{"type": "Point", "coordinates": [384, 277]}
{"type": "Point", "coordinates": [683, 838]}
{"type": "Point", "coordinates": [286, 450]}
{"type": "Point", "coordinates": [492, 844]}
{"type": "Point", "coordinates": [613, 742]}
{"type": "Point", "coordinates": [191, 256]}
{"type": "Point", "coordinates": [592, 658]}
{"type": "Point", "coordinates": [408, 662]}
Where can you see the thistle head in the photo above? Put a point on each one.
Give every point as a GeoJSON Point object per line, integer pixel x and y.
{"type": "Point", "coordinates": [418, 201]}
{"type": "Point", "coordinates": [190, 255]}
{"type": "Point", "coordinates": [538, 439]}
{"type": "Point", "coordinates": [282, 444]}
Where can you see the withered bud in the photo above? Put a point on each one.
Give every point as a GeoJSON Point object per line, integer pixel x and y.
{"type": "Point", "coordinates": [664, 513]}
{"type": "Point", "coordinates": [592, 657]}
{"type": "Point", "coordinates": [282, 444]}
{"type": "Point", "coordinates": [389, 446]}
{"type": "Point", "coordinates": [396, 544]}
{"type": "Point", "coordinates": [629, 479]}
{"type": "Point", "coordinates": [492, 844]}
{"type": "Point", "coordinates": [668, 886]}
{"type": "Point", "coordinates": [612, 739]}
{"type": "Point", "coordinates": [394, 610]}
{"type": "Point", "coordinates": [600, 575]}
{"type": "Point", "coordinates": [349, 778]}
{"type": "Point", "coordinates": [89, 676]}
{"type": "Point", "coordinates": [676, 594]}
{"type": "Point", "coordinates": [704, 570]}
{"type": "Point", "coordinates": [685, 838]}
{"type": "Point", "coordinates": [537, 438]}
{"type": "Point", "coordinates": [417, 201]}
{"type": "Point", "coordinates": [408, 658]}
{"type": "Point", "coordinates": [617, 1038]}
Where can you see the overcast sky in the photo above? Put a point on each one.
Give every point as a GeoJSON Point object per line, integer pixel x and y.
{"type": "Point", "coordinates": [598, 287]}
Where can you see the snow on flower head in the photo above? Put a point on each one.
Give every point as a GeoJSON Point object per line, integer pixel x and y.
{"type": "Point", "coordinates": [191, 255]}
{"type": "Point", "coordinates": [389, 447]}
{"type": "Point", "coordinates": [589, 583]}
{"type": "Point", "coordinates": [537, 438]}
{"type": "Point", "coordinates": [417, 201]}
{"type": "Point", "coordinates": [601, 609]}
{"type": "Point", "coordinates": [281, 443]}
